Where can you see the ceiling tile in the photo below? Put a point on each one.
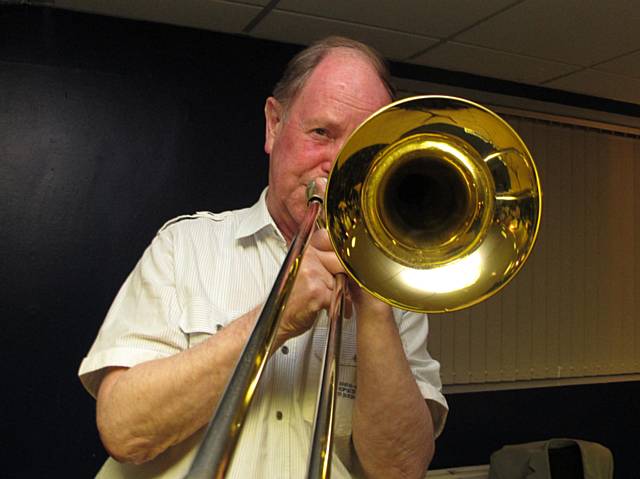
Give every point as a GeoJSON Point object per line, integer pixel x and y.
{"type": "Point", "coordinates": [628, 65]}
{"type": "Point", "coordinates": [432, 18]}
{"type": "Point", "coordinates": [223, 16]}
{"type": "Point", "coordinates": [582, 32]}
{"type": "Point", "coordinates": [605, 85]}
{"type": "Point", "coordinates": [492, 63]}
{"type": "Point", "coordinates": [304, 29]}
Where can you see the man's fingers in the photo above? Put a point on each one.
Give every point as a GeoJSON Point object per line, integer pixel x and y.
{"type": "Point", "coordinates": [320, 246]}
{"type": "Point", "coordinates": [320, 240]}
{"type": "Point", "coordinates": [330, 262]}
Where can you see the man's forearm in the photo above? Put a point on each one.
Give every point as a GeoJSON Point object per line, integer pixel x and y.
{"type": "Point", "coordinates": [392, 425]}
{"type": "Point", "coordinates": [146, 409]}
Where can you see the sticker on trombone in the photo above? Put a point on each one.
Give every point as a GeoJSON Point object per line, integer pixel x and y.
{"type": "Point", "coordinates": [347, 390]}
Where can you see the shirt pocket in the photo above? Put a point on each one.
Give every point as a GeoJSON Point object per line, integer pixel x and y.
{"type": "Point", "coordinates": [200, 319]}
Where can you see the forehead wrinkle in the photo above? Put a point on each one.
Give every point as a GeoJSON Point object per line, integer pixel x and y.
{"type": "Point", "coordinates": [348, 90]}
{"type": "Point", "coordinates": [355, 102]}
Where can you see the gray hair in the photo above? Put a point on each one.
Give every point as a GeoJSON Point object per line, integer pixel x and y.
{"type": "Point", "coordinates": [302, 65]}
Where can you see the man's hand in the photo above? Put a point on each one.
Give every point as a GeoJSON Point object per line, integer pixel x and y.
{"type": "Point", "coordinates": [366, 304]}
{"type": "Point", "coordinates": [313, 287]}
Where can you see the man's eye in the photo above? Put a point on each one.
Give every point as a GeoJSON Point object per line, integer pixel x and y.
{"type": "Point", "coordinates": [321, 132]}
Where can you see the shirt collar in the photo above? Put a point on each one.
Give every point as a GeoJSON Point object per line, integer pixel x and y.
{"type": "Point", "coordinates": [257, 218]}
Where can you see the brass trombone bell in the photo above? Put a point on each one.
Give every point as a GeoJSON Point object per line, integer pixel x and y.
{"type": "Point", "coordinates": [433, 204]}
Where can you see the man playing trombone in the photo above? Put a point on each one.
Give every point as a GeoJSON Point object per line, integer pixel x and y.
{"type": "Point", "coordinates": [175, 331]}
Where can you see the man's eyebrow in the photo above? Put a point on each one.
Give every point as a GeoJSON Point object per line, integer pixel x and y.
{"type": "Point", "coordinates": [321, 121]}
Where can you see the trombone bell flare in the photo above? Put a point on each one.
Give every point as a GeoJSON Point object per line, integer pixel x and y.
{"type": "Point", "coordinates": [433, 204]}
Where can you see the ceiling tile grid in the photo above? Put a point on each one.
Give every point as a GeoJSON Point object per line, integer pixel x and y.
{"type": "Point", "coordinates": [582, 32]}
{"type": "Point", "coordinates": [430, 18]}
{"type": "Point", "coordinates": [601, 84]}
{"type": "Point", "coordinates": [628, 65]}
{"type": "Point", "coordinates": [305, 29]}
{"type": "Point", "coordinates": [582, 46]}
{"type": "Point", "coordinates": [539, 42]}
{"type": "Point", "coordinates": [492, 63]}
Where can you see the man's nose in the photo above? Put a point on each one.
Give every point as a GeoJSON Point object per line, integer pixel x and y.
{"type": "Point", "coordinates": [327, 165]}
{"type": "Point", "coordinates": [332, 156]}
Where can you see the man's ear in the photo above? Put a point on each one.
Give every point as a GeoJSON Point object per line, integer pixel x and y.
{"type": "Point", "coordinates": [274, 117]}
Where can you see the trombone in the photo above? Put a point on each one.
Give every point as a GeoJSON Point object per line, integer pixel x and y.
{"type": "Point", "coordinates": [433, 205]}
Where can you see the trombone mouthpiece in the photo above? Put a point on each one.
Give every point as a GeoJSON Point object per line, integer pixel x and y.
{"type": "Point", "coordinates": [315, 190]}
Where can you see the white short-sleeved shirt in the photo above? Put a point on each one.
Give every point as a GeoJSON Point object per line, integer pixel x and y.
{"type": "Point", "coordinates": [199, 274]}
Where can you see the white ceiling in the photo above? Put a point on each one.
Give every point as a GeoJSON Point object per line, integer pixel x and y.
{"type": "Point", "coordinates": [582, 46]}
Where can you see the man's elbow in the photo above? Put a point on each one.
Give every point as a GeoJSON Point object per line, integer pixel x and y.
{"type": "Point", "coordinates": [429, 453]}
{"type": "Point", "coordinates": [409, 463]}
{"type": "Point", "coordinates": [412, 470]}
{"type": "Point", "coordinates": [125, 447]}
{"type": "Point", "coordinates": [127, 450]}
{"type": "Point", "coordinates": [416, 465]}
{"type": "Point", "coordinates": [123, 443]}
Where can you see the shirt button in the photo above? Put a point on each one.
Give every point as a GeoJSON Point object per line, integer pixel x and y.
{"type": "Point", "coordinates": [279, 415]}
{"type": "Point", "coordinates": [285, 350]}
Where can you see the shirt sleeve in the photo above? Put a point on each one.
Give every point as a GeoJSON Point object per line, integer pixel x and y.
{"type": "Point", "coordinates": [414, 331]}
{"type": "Point", "coordinates": [143, 321]}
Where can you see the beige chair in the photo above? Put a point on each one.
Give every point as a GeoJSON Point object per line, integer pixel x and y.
{"type": "Point", "coordinates": [552, 459]}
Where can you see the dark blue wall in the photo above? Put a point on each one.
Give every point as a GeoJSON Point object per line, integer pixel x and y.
{"type": "Point", "coordinates": [110, 127]}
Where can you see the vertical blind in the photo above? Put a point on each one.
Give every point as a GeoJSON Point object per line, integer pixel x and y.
{"type": "Point", "coordinates": [571, 311]}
